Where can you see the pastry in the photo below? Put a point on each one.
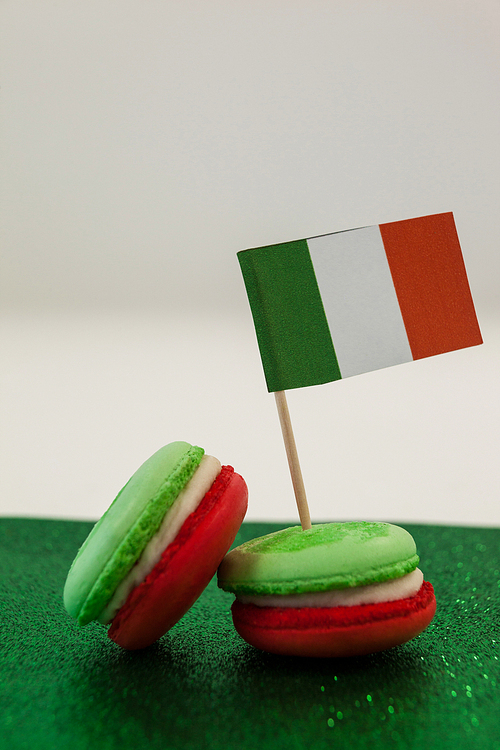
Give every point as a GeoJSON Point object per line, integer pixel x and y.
{"type": "Point", "coordinates": [336, 589]}
{"type": "Point", "coordinates": [158, 545]}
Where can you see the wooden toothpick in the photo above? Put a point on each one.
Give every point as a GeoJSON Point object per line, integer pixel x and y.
{"type": "Point", "coordinates": [293, 459]}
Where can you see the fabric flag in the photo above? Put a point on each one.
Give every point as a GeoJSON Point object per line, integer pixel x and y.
{"type": "Point", "coordinates": [341, 304]}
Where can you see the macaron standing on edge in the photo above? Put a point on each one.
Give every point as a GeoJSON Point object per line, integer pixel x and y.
{"type": "Point", "coordinates": [334, 590]}
{"type": "Point", "coordinates": [158, 545]}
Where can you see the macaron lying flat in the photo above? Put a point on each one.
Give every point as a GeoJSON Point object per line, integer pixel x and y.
{"type": "Point", "coordinates": [158, 545]}
{"type": "Point", "coordinates": [337, 589]}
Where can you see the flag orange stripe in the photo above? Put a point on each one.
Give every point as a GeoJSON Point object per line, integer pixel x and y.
{"type": "Point", "coordinates": [431, 284]}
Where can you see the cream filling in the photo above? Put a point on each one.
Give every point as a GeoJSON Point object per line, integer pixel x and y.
{"type": "Point", "coordinates": [387, 591]}
{"type": "Point", "coordinates": [186, 502]}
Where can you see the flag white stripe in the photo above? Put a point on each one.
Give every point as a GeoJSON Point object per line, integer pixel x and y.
{"type": "Point", "coordinates": [359, 300]}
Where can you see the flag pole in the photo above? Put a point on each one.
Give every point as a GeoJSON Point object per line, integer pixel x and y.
{"type": "Point", "coordinates": [293, 459]}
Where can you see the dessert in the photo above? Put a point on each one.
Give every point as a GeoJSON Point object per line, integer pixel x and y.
{"type": "Point", "coordinates": [157, 546]}
{"type": "Point", "coordinates": [336, 589]}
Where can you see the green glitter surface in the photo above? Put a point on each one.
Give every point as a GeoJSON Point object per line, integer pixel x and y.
{"type": "Point", "coordinates": [201, 686]}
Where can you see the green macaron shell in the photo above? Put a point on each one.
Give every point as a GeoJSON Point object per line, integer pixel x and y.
{"type": "Point", "coordinates": [118, 539]}
{"type": "Point", "coordinates": [327, 556]}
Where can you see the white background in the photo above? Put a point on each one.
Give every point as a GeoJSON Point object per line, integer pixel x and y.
{"type": "Point", "coordinates": [144, 143]}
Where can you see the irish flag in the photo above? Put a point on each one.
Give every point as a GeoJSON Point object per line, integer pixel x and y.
{"type": "Point", "coordinates": [341, 304]}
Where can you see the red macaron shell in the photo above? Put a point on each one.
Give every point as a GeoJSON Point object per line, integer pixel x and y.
{"type": "Point", "coordinates": [335, 631]}
{"type": "Point", "coordinates": [186, 566]}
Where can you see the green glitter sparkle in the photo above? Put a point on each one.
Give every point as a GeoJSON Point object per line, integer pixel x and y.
{"type": "Point", "coordinates": [202, 686]}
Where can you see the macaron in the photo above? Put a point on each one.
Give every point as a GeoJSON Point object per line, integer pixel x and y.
{"type": "Point", "coordinates": [158, 545]}
{"type": "Point", "coordinates": [334, 590]}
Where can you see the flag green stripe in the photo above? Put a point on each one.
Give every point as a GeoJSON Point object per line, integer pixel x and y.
{"type": "Point", "coordinates": [294, 339]}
